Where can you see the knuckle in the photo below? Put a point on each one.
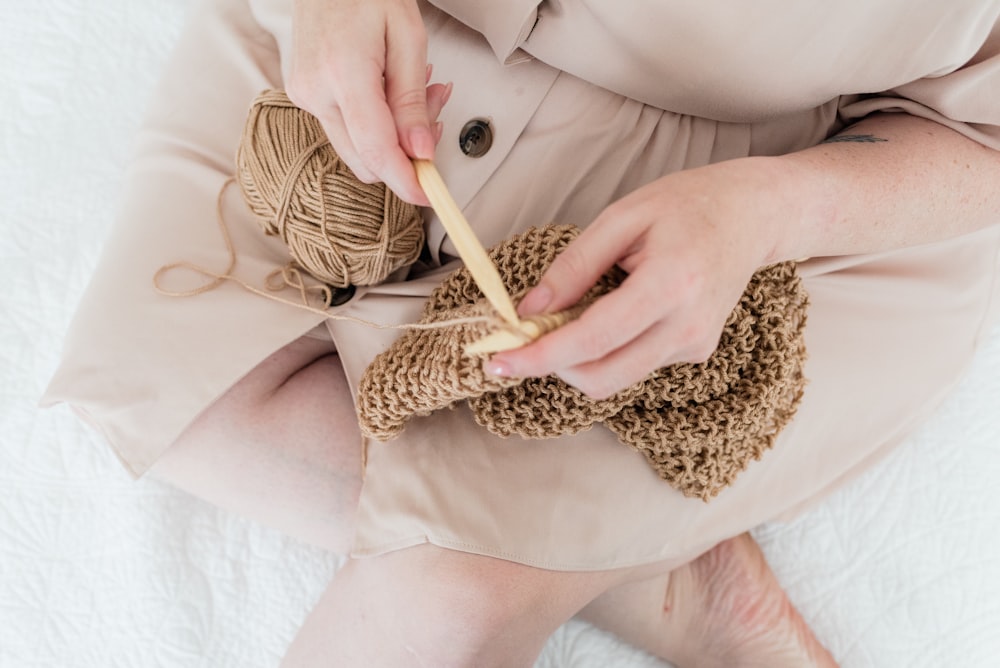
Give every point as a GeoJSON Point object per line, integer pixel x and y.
{"type": "Point", "coordinates": [372, 158]}
{"type": "Point", "coordinates": [303, 90]}
{"type": "Point", "coordinates": [409, 24]}
{"type": "Point", "coordinates": [366, 177]}
{"type": "Point", "coordinates": [409, 102]}
{"type": "Point", "coordinates": [689, 284]}
{"type": "Point", "coordinates": [572, 262]}
{"type": "Point", "coordinates": [413, 23]}
{"type": "Point", "coordinates": [648, 301]}
{"type": "Point", "coordinates": [357, 168]}
{"type": "Point", "coordinates": [614, 211]}
{"type": "Point", "coordinates": [592, 387]}
{"type": "Point", "coordinates": [607, 383]}
{"type": "Point", "coordinates": [599, 391]}
{"type": "Point", "coordinates": [298, 93]}
{"type": "Point", "coordinates": [597, 343]}
{"type": "Point", "coordinates": [595, 382]}
{"type": "Point", "coordinates": [707, 349]}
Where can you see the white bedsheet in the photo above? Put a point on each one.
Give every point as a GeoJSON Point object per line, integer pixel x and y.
{"type": "Point", "coordinates": [900, 569]}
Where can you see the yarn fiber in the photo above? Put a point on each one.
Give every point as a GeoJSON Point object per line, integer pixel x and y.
{"type": "Point", "coordinates": [697, 425]}
{"type": "Point", "coordinates": [340, 230]}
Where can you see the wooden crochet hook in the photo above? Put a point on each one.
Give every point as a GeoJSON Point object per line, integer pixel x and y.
{"type": "Point", "coordinates": [469, 249]}
{"type": "Point", "coordinates": [518, 332]}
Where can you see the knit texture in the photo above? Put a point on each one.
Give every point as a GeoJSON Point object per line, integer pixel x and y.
{"type": "Point", "coordinates": [697, 425]}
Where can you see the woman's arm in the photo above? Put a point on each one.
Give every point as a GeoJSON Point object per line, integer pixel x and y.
{"type": "Point", "coordinates": [690, 242]}
{"type": "Point", "coordinates": [913, 181]}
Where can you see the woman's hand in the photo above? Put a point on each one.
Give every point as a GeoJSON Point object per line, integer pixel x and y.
{"type": "Point", "coordinates": [360, 67]}
{"type": "Point", "coordinates": [690, 243]}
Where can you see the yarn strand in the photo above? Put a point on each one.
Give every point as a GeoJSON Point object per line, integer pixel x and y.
{"type": "Point", "coordinates": [291, 277]}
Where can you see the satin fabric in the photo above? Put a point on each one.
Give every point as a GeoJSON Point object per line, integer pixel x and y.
{"type": "Point", "coordinates": [587, 101]}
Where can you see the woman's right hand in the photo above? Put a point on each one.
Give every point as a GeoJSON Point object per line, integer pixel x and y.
{"type": "Point", "coordinates": [360, 67]}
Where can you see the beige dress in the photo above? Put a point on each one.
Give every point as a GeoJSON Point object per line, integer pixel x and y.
{"type": "Point", "coordinates": [587, 99]}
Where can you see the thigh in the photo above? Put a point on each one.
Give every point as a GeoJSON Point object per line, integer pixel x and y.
{"type": "Point", "coordinates": [281, 446]}
{"type": "Point", "coordinates": [430, 606]}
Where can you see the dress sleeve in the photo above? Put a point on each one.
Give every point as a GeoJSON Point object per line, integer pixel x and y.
{"type": "Point", "coordinates": [965, 98]}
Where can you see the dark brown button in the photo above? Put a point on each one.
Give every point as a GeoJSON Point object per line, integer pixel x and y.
{"type": "Point", "coordinates": [340, 296]}
{"type": "Point", "coordinates": [476, 138]}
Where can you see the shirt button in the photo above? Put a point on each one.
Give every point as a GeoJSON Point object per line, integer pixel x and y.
{"type": "Point", "coordinates": [340, 296]}
{"type": "Point", "coordinates": [476, 138]}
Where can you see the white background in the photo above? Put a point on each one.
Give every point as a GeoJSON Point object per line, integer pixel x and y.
{"type": "Point", "coordinates": [900, 569]}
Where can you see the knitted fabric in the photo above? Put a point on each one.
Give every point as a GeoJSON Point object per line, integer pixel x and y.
{"type": "Point", "coordinates": [697, 425]}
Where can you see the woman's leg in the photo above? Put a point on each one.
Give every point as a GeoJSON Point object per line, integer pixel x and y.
{"type": "Point", "coordinates": [427, 606]}
{"type": "Point", "coordinates": [723, 609]}
{"type": "Point", "coordinates": [282, 447]}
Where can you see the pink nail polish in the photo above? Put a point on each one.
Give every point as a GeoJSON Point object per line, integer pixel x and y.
{"type": "Point", "coordinates": [497, 368]}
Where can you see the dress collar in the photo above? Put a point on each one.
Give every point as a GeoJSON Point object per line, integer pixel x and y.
{"type": "Point", "coordinates": [505, 24]}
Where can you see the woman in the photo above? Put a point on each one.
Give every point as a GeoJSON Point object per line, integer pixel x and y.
{"type": "Point", "coordinates": [695, 143]}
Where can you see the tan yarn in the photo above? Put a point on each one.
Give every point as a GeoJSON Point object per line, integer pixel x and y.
{"type": "Point", "coordinates": [340, 230]}
{"type": "Point", "coordinates": [697, 425]}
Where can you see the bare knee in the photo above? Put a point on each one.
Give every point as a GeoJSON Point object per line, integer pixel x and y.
{"type": "Point", "coordinates": [281, 446]}
{"type": "Point", "coordinates": [464, 610]}
{"type": "Point", "coordinates": [427, 606]}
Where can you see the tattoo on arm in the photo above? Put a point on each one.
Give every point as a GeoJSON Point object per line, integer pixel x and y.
{"type": "Point", "coordinates": [859, 139]}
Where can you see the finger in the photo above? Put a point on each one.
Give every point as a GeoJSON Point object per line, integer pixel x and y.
{"type": "Point", "coordinates": [610, 323]}
{"type": "Point", "coordinates": [333, 126]}
{"type": "Point", "coordinates": [549, 354]}
{"type": "Point", "coordinates": [577, 268]}
{"type": "Point", "coordinates": [405, 83]}
{"type": "Point", "coordinates": [437, 96]}
{"type": "Point", "coordinates": [624, 367]}
{"type": "Point", "coordinates": [664, 344]}
{"type": "Point", "coordinates": [372, 131]}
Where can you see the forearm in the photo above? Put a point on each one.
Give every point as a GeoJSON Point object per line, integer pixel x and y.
{"type": "Point", "coordinates": [916, 182]}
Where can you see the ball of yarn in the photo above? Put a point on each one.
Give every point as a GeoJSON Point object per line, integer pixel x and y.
{"type": "Point", "coordinates": [340, 230]}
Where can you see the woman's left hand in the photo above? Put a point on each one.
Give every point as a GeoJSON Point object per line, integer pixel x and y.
{"type": "Point", "coordinates": [690, 243]}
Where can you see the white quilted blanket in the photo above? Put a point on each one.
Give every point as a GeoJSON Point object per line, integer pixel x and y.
{"type": "Point", "coordinates": [900, 569]}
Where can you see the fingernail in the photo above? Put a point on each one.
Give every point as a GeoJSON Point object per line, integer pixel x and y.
{"type": "Point", "coordinates": [438, 130]}
{"type": "Point", "coordinates": [536, 301]}
{"type": "Point", "coordinates": [497, 368]}
{"type": "Point", "coordinates": [447, 93]}
{"type": "Point", "coordinates": [422, 142]}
